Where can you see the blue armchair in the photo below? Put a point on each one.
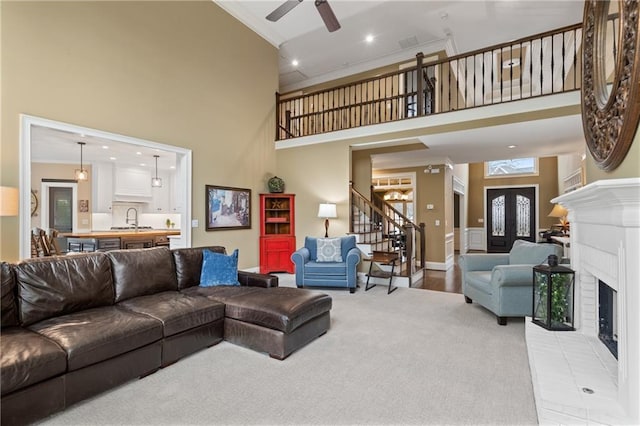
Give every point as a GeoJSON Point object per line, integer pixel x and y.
{"type": "Point", "coordinates": [503, 282]}
{"type": "Point", "coordinates": [335, 267]}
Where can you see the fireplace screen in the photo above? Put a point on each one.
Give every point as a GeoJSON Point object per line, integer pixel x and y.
{"type": "Point", "coordinates": [608, 317]}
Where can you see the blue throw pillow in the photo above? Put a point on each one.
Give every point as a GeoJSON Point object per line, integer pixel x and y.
{"type": "Point", "coordinates": [219, 269]}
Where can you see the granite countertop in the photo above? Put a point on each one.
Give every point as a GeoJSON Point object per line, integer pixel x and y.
{"type": "Point", "coordinates": [123, 233]}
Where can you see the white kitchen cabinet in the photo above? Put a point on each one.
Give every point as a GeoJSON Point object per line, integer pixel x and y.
{"type": "Point", "coordinates": [177, 192]}
{"type": "Point", "coordinates": [132, 184]}
{"type": "Point", "coordinates": [101, 187]}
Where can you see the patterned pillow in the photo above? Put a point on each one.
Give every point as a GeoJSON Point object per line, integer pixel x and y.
{"type": "Point", "coordinates": [329, 250]}
{"type": "Point", "coordinates": [219, 269]}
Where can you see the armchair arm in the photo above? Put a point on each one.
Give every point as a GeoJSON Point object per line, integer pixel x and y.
{"type": "Point", "coordinates": [252, 279]}
{"type": "Point", "coordinates": [353, 258]}
{"type": "Point", "coordinates": [512, 275]}
{"type": "Point", "coordinates": [299, 258]}
{"type": "Point", "coordinates": [482, 261]}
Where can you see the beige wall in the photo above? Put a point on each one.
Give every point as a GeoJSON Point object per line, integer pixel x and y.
{"type": "Point", "coordinates": [316, 174]}
{"type": "Point", "coordinates": [548, 189]}
{"type": "Point", "coordinates": [180, 73]}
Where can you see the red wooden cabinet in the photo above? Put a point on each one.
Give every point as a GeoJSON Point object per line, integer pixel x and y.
{"type": "Point", "coordinates": [277, 232]}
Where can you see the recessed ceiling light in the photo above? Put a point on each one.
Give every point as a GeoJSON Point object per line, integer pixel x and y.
{"type": "Point", "coordinates": [142, 164]}
{"type": "Point", "coordinates": [294, 62]}
{"type": "Point", "coordinates": [512, 146]}
{"type": "Point", "coordinates": [138, 153]}
{"type": "Point", "coordinates": [105, 146]}
{"type": "Point", "coordinates": [112, 158]}
{"type": "Point", "coordinates": [369, 38]}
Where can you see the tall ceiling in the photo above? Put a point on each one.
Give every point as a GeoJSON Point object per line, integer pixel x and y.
{"type": "Point", "coordinates": [400, 30]}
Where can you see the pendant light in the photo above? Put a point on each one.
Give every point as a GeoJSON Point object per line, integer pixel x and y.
{"type": "Point", "coordinates": [82, 173]}
{"type": "Point", "coordinates": [156, 182]}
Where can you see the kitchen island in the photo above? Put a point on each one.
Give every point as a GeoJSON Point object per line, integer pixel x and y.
{"type": "Point", "coordinates": [117, 239]}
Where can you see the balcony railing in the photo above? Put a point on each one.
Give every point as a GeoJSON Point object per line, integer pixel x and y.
{"type": "Point", "coordinates": [539, 65]}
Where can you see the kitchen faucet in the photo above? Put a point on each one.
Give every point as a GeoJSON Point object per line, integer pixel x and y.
{"type": "Point", "coordinates": [135, 217]}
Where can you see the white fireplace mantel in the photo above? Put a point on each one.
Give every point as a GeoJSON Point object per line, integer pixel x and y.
{"type": "Point", "coordinates": [613, 202]}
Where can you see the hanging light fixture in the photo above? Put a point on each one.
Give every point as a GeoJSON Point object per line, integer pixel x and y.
{"type": "Point", "coordinates": [156, 182]}
{"type": "Point", "coordinates": [82, 173]}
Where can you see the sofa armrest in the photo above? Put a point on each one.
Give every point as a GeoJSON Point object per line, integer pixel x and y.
{"type": "Point", "coordinates": [482, 261]}
{"type": "Point", "coordinates": [512, 275]}
{"type": "Point", "coordinates": [252, 279]}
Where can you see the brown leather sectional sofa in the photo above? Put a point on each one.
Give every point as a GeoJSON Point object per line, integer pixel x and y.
{"type": "Point", "coordinates": [74, 326]}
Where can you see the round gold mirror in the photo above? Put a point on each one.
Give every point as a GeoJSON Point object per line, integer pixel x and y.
{"type": "Point", "coordinates": [610, 79]}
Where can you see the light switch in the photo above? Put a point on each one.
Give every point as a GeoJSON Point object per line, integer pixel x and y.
{"type": "Point", "coordinates": [481, 220]}
{"type": "Point", "coordinates": [437, 222]}
{"type": "Point", "coordinates": [195, 223]}
{"type": "Point", "coordinates": [429, 206]}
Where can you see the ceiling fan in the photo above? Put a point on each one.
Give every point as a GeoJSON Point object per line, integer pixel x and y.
{"type": "Point", "coordinates": [323, 7]}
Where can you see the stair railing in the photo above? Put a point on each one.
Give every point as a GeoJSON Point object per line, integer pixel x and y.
{"type": "Point", "coordinates": [386, 233]}
{"type": "Point", "coordinates": [538, 65]}
{"type": "Point", "coordinates": [415, 233]}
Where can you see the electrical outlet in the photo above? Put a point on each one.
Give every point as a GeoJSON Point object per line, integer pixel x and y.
{"type": "Point", "coordinates": [437, 222]}
{"type": "Point", "coordinates": [481, 220]}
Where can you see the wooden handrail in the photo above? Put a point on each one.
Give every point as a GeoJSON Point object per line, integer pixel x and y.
{"type": "Point", "coordinates": [467, 80]}
{"type": "Point", "coordinates": [380, 221]}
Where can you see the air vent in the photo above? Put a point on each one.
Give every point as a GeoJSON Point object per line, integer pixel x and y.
{"type": "Point", "coordinates": [408, 42]}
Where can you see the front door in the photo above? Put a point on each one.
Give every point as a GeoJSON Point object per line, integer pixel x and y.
{"type": "Point", "coordinates": [510, 217]}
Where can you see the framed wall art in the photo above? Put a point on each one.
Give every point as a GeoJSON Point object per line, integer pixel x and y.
{"type": "Point", "coordinates": [227, 208]}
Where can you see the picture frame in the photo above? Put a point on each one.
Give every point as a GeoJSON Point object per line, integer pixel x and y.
{"type": "Point", "coordinates": [227, 208]}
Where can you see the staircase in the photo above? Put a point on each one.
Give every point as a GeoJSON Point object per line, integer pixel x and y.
{"type": "Point", "coordinates": [383, 234]}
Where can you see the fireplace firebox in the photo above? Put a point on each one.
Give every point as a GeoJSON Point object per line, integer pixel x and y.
{"type": "Point", "coordinates": [607, 317]}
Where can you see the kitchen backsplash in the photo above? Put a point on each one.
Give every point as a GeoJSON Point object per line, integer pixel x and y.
{"type": "Point", "coordinates": [104, 221]}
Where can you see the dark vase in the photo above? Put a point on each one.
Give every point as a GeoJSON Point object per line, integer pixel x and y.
{"type": "Point", "coordinates": [276, 185]}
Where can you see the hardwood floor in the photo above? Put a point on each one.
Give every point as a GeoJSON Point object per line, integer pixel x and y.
{"type": "Point", "coordinates": [448, 281]}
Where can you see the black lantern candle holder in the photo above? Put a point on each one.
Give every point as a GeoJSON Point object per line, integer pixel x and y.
{"type": "Point", "coordinates": [553, 292]}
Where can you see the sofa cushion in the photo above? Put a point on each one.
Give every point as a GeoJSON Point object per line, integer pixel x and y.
{"type": "Point", "coordinates": [177, 312]}
{"type": "Point", "coordinates": [139, 272]}
{"type": "Point", "coordinates": [98, 334]}
{"type": "Point", "coordinates": [220, 293]}
{"type": "Point", "coordinates": [27, 358]}
{"type": "Point", "coordinates": [328, 250]}
{"type": "Point", "coordinates": [326, 268]}
{"type": "Point", "coordinates": [219, 269]}
{"type": "Point", "coordinates": [61, 285]}
{"type": "Point", "coordinates": [280, 308]}
{"type": "Point", "coordinates": [188, 263]}
{"type": "Point", "coordinates": [8, 307]}
{"type": "Point", "coordinates": [528, 253]}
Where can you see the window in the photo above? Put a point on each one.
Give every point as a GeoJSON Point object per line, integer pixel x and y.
{"type": "Point", "coordinates": [511, 167]}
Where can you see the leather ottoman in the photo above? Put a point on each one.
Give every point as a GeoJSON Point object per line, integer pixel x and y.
{"type": "Point", "coordinates": [277, 320]}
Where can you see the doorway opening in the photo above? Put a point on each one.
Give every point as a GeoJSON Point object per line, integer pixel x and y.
{"type": "Point", "coordinates": [29, 125]}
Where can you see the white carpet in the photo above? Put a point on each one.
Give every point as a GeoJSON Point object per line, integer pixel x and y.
{"type": "Point", "coordinates": [411, 357]}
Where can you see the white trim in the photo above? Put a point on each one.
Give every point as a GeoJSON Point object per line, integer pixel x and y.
{"type": "Point", "coordinates": [184, 156]}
